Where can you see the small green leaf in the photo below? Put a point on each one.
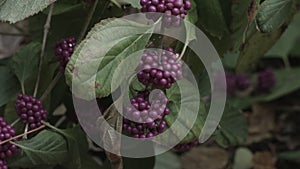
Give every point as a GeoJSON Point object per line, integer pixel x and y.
{"type": "Point", "coordinates": [25, 62]}
{"type": "Point", "coordinates": [290, 156]}
{"type": "Point", "coordinates": [232, 129]}
{"type": "Point", "coordinates": [47, 148]}
{"type": "Point", "coordinates": [17, 10]}
{"type": "Point", "coordinates": [272, 14]}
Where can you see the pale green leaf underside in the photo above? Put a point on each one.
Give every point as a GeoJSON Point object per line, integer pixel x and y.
{"type": "Point", "coordinates": [17, 10]}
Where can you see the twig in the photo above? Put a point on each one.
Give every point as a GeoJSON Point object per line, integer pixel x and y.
{"type": "Point", "coordinates": [87, 21]}
{"type": "Point", "coordinates": [21, 135]}
{"type": "Point", "coordinates": [46, 30]}
{"type": "Point", "coordinates": [60, 121]}
{"type": "Point", "coordinates": [15, 122]}
{"type": "Point", "coordinates": [51, 86]}
{"type": "Point", "coordinates": [25, 131]}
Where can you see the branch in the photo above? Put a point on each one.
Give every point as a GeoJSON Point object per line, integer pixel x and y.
{"type": "Point", "coordinates": [87, 21]}
{"type": "Point", "coordinates": [21, 135]}
{"type": "Point", "coordinates": [46, 30]}
{"type": "Point", "coordinates": [51, 86]}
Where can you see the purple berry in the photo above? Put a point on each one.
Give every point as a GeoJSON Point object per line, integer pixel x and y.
{"type": "Point", "coordinates": [7, 150]}
{"type": "Point", "coordinates": [162, 75]}
{"type": "Point", "coordinates": [32, 113]}
{"type": "Point", "coordinates": [141, 119]}
{"type": "Point", "coordinates": [3, 164]}
{"type": "Point", "coordinates": [64, 49]}
{"type": "Point", "coordinates": [242, 82]}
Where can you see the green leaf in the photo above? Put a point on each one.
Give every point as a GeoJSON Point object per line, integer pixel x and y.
{"type": "Point", "coordinates": [76, 144]}
{"type": "Point", "coordinates": [47, 148]}
{"type": "Point", "coordinates": [113, 38]}
{"type": "Point", "coordinates": [190, 102]}
{"type": "Point", "coordinates": [286, 82]}
{"type": "Point", "coordinates": [9, 86]}
{"type": "Point", "coordinates": [285, 44]}
{"type": "Point", "coordinates": [232, 129]}
{"type": "Point", "coordinates": [17, 10]}
{"type": "Point", "coordinates": [167, 160]}
{"type": "Point", "coordinates": [134, 3]}
{"type": "Point", "coordinates": [290, 156]}
{"type": "Point", "coordinates": [25, 62]}
{"type": "Point", "coordinates": [272, 14]}
{"type": "Point", "coordinates": [211, 17]}
{"type": "Point", "coordinates": [61, 7]}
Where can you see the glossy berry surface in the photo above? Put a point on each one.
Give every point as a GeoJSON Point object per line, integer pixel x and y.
{"type": "Point", "coordinates": [31, 111]}
{"type": "Point", "coordinates": [6, 132]}
{"type": "Point", "coordinates": [142, 120]}
{"type": "Point", "coordinates": [64, 50]}
{"type": "Point", "coordinates": [174, 10]}
{"type": "Point", "coordinates": [186, 146]}
{"type": "Point", "coordinates": [3, 164]}
{"type": "Point", "coordinates": [266, 80]}
{"type": "Point", "coordinates": [161, 72]}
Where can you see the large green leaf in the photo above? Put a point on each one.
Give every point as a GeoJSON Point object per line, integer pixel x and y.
{"type": "Point", "coordinates": [290, 156]}
{"type": "Point", "coordinates": [272, 14]}
{"type": "Point", "coordinates": [17, 10]}
{"type": "Point", "coordinates": [285, 44]}
{"type": "Point", "coordinates": [9, 86]}
{"type": "Point", "coordinates": [232, 129]}
{"type": "Point", "coordinates": [211, 17]}
{"type": "Point", "coordinates": [25, 62]}
{"type": "Point", "coordinates": [47, 148]}
{"type": "Point", "coordinates": [115, 39]}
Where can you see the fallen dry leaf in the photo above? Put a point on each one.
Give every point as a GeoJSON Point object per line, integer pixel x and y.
{"type": "Point", "coordinates": [205, 158]}
{"type": "Point", "coordinates": [264, 160]}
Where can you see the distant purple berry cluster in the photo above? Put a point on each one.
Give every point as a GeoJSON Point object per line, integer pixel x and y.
{"type": "Point", "coordinates": [176, 8]}
{"type": "Point", "coordinates": [7, 150]}
{"type": "Point", "coordinates": [240, 82]}
{"type": "Point", "coordinates": [31, 111]}
{"type": "Point", "coordinates": [159, 72]}
{"type": "Point", "coordinates": [142, 120]}
{"type": "Point", "coordinates": [266, 80]}
{"type": "Point", "coordinates": [186, 146]}
{"type": "Point", "coordinates": [64, 50]}
{"type": "Point", "coordinates": [234, 82]}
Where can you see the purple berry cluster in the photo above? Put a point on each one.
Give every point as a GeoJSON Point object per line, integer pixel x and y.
{"type": "Point", "coordinates": [64, 50]}
{"type": "Point", "coordinates": [3, 164]}
{"type": "Point", "coordinates": [161, 72]}
{"type": "Point", "coordinates": [7, 150]}
{"type": "Point", "coordinates": [31, 111]}
{"type": "Point", "coordinates": [266, 80]}
{"type": "Point", "coordinates": [142, 120]}
{"type": "Point", "coordinates": [174, 10]}
{"type": "Point", "coordinates": [186, 146]}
